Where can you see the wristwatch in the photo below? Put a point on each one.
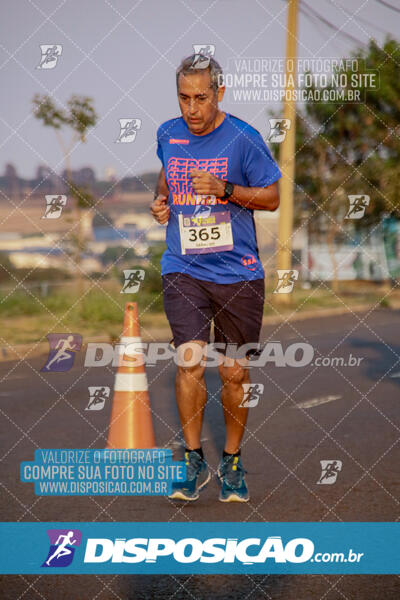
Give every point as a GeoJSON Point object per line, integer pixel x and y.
{"type": "Point", "coordinates": [228, 190]}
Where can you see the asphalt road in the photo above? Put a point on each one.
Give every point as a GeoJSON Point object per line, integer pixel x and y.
{"type": "Point", "coordinates": [351, 415]}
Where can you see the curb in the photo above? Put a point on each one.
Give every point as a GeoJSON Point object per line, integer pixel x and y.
{"type": "Point", "coordinates": [25, 351]}
{"type": "Point", "coordinates": [322, 312]}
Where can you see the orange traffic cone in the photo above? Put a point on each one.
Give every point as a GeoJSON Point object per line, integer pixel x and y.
{"type": "Point", "coordinates": [131, 424]}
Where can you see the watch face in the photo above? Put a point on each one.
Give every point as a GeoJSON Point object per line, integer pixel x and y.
{"type": "Point", "coordinates": [228, 189]}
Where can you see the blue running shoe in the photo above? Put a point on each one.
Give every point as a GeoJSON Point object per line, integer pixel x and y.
{"type": "Point", "coordinates": [197, 474]}
{"type": "Point", "coordinates": [233, 484]}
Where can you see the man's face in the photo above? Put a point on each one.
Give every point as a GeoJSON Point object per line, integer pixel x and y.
{"type": "Point", "coordinates": [198, 101]}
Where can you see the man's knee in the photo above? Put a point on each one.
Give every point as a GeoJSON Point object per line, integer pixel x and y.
{"type": "Point", "coordinates": [235, 374]}
{"type": "Point", "coordinates": [189, 357]}
{"type": "Point", "coordinates": [190, 353]}
{"type": "Point", "coordinates": [194, 372]}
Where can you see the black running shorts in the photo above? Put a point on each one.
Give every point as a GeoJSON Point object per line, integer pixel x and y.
{"type": "Point", "coordinates": [191, 305]}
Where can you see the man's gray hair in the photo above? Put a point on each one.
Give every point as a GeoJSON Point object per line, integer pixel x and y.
{"type": "Point", "coordinates": [186, 68]}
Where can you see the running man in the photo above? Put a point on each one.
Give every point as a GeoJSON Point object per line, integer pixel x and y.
{"type": "Point", "coordinates": [62, 549]}
{"type": "Point", "coordinates": [50, 55]}
{"type": "Point", "coordinates": [288, 279]}
{"type": "Point", "coordinates": [98, 396]}
{"type": "Point", "coordinates": [55, 205]}
{"type": "Point", "coordinates": [359, 205]}
{"type": "Point", "coordinates": [211, 269]}
{"type": "Point", "coordinates": [129, 129]}
{"type": "Point", "coordinates": [63, 346]}
{"type": "Point", "coordinates": [252, 396]}
{"type": "Point", "coordinates": [133, 280]}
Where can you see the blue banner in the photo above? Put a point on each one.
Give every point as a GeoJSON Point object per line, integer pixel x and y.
{"type": "Point", "coordinates": [207, 548]}
{"type": "Point", "coordinates": [86, 472]}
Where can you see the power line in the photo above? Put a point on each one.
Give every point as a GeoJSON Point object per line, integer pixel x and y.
{"type": "Point", "coordinates": [358, 17]}
{"type": "Point", "coordinates": [388, 5]}
{"type": "Point", "coordinates": [317, 23]}
{"type": "Point", "coordinates": [331, 25]}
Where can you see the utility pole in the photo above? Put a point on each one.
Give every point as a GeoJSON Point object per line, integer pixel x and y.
{"type": "Point", "coordinates": [287, 149]}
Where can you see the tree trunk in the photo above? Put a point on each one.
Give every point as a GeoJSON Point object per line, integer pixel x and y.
{"type": "Point", "coordinates": [76, 238]}
{"type": "Point", "coordinates": [331, 249]}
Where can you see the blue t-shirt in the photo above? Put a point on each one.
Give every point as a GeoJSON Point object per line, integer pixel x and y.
{"type": "Point", "coordinates": [233, 151]}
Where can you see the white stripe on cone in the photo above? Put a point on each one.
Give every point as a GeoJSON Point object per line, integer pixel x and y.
{"type": "Point", "coordinates": [129, 339]}
{"type": "Point", "coordinates": [131, 382]}
{"type": "Point", "coordinates": [130, 346]}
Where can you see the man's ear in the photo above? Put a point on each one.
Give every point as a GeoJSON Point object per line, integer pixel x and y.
{"type": "Point", "coordinates": [220, 93]}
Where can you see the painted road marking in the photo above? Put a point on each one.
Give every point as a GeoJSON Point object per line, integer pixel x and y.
{"type": "Point", "coordinates": [316, 401]}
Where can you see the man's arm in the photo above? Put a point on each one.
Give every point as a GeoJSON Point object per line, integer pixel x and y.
{"type": "Point", "coordinates": [162, 186]}
{"type": "Point", "coordinates": [159, 207]}
{"type": "Point", "coordinates": [256, 198]}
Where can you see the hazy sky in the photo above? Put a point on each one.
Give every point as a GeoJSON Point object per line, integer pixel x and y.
{"type": "Point", "coordinates": [124, 54]}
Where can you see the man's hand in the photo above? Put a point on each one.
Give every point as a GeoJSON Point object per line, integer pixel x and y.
{"type": "Point", "coordinates": [160, 209]}
{"type": "Point", "coordinates": [205, 183]}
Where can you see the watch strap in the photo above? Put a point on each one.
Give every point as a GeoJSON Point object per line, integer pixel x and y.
{"type": "Point", "coordinates": [228, 190]}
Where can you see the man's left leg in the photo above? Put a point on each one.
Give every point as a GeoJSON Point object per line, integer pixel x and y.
{"type": "Point", "coordinates": [231, 471]}
{"type": "Point", "coordinates": [232, 378]}
{"type": "Point", "coordinates": [238, 310]}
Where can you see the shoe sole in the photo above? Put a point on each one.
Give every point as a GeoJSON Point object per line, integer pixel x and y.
{"type": "Point", "coordinates": [234, 498]}
{"type": "Point", "coordinates": [181, 496]}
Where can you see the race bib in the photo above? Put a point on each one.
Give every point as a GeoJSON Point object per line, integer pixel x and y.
{"type": "Point", "coordinates": [200, 235]}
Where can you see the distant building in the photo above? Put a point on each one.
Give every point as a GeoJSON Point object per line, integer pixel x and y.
{"type": "Point", "coordinates": [45, 258]}
{"type": "Point", "coordinates": [85, 177]}
{"type": "Point", "coordinates": [46, 181]}
{"type": "Point", "coordinates": [11, 181]}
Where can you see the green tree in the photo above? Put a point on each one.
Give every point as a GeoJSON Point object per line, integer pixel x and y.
{"type": "Point", "coordinates": [79, 116]}
{"type": "Point", "coordinates": [351, 148]}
